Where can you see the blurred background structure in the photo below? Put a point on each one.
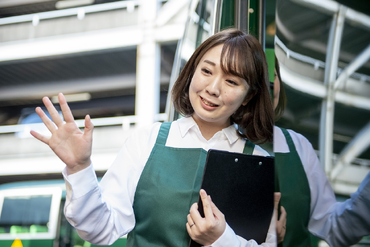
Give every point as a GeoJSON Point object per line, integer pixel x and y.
{"type": "Point", "coordinates": [112, 59]}
{"type": "Point", "coordinates": [324, 50]}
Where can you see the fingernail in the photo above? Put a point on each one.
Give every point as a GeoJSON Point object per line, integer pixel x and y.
{"type": "Point", "coordinates": [202, 192]}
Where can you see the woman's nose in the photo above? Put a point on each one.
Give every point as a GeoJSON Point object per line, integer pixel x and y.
{"type": "Point", "coordinates": [214, 87]}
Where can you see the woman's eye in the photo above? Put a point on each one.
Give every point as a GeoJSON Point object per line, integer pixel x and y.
{"type": "Point", "coordinates": [232, 82]}
{"type": "Point", "coordinates": [206, 71]}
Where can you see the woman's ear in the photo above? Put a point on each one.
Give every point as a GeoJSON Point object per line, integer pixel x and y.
{"type": "Point", "coordinates": [248, 97]}
{"type": "Point", "coordinates": [246, 100]}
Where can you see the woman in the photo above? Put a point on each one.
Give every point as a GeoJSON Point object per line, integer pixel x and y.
{"type": "Point", "coordinates": [151, 189]}
{"type": "Point", "coordinates": [306, 193]}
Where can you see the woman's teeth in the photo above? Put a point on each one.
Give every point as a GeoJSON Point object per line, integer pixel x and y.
{"type": "Point", "coordinates": [208, 103]}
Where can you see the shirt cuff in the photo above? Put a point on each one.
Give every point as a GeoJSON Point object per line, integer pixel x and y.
{"type": "Point", "coordinates": [80, 183]}
{"type": "Point", "coordinates": [228, 238]}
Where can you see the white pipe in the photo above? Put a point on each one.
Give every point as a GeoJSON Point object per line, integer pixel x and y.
{"type": "Point", "coordinates": [353, 66]}
{"type": "Point", "coordinates": [353, 149]}
{"type": "Point", "coordinates": [327, 110]}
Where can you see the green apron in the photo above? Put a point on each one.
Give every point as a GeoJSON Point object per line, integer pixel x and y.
{"type": "Point", "coordinates": [291, 181]}
{"type": "Point", "coordinates": [168, 186]}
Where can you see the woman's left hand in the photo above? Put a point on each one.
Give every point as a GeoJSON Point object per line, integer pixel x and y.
{"type": "Point", "coordinates": [281, 223]}
{"type": "Point", "coordinates": [207, 230]}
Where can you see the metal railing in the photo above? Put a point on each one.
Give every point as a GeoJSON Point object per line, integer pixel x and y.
{"type": "Point", "coordinates": [36, 17]}
{"type": "Point", "coordinates": [125, 121]}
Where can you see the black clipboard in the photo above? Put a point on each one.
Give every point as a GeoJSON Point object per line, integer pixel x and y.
{"type": "Point", "coordinates": [242, 187]}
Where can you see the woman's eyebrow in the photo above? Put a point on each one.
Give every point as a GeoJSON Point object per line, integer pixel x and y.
{"type": "Point", "coordinates": [209, 62]}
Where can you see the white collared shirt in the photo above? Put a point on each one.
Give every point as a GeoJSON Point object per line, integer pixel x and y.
{"type": "Point", "coordinates": [103, 213]}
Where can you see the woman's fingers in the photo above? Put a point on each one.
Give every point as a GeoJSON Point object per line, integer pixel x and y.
{"type": "Point", "coordinates": [89, 127]}
{"type": "Point", "coordinates": [67, 114]}
{"type": "Point", "coordinates": [190, 222]}
{"type": "Point", "coordinates": [283, 216]}
{"type": "Point", "coordinates": [52, 111]}
{"type": "Point", "coordinates": [277, 196]}
{"type": "Point", "coordinates": [208, 229]}
{"type": "Point", "coordinates": [211, 212]}
{"type": "Point", "coordinates": [66, 111]}
{"type": "Point", "coordinates": [67, 141]}
{"type": "Point", "coordinates": [40, 137]}
{"type": "Point", "coordinates": [281, 223]}
{"type": "Point", "coordinates": [194, 213]}
{"type": "Point", "coordinates": [216, 212]}
{"type": "Point", "coordinates": [45, 119]}
{"type": "Point", "coordinates": [207, 208]}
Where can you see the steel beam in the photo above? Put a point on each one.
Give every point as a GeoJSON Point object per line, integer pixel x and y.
{"type": "Point", "coordinates": [352, 67]}
{"type": "Point", "coordinates": [327, 111]}
{"type": "Point", "coordinates": [353, 149]}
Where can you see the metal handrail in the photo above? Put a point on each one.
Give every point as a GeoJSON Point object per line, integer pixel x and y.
{"type": "Point", "coordinates": [125, 121]}
{"type": "Point", "coordinates": [69, 12]}
{"type": "Point", "coordinates": [315, 62]}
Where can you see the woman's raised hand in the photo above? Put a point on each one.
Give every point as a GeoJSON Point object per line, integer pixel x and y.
{"type": "Point", "coordinates": [67, 141]}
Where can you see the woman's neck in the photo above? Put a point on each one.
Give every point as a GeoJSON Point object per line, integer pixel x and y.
{"type": "Point", "coordinates": [207, 129]}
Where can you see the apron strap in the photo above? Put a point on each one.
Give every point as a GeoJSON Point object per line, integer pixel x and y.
{"type": "Point", "coordinates": [248, 147]}
{"type": "Point", "coordinates": [163, 133]}
{"type": "Point", "coordinates": [289, 141]}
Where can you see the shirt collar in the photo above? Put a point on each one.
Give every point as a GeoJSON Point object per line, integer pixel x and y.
{"type": "Point", "coordinates": [231, 134]}
{"type": "Point", "coordinates": [187, 123]}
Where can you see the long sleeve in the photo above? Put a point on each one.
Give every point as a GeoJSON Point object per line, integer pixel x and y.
{"type": "Point", "coordinates": [345, 223]}
{"type": "Point", "coordinates": [101, 213]}
{"type": "Point", "coordinates": [338, 223]}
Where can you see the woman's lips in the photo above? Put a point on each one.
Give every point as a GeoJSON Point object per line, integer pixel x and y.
{"type": "Point", "coordinates": [207, 102]}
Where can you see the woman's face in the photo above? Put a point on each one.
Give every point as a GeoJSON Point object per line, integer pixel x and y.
{"type": "Point", "coordinates": [214, 95]}
{"type": "Point", "coordinates": [276, 90]}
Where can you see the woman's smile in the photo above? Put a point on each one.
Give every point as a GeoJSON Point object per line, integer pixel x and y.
{"type": "Point", "coordinates": [208, 103]}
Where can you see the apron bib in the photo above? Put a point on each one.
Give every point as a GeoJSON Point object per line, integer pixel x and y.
{"type": "Point", "coordinates": [168, 186]}
{"type": "Point", "coordinates": [291, 181]}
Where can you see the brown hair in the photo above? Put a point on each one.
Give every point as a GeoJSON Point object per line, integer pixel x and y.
{"type": "Point", "coordinates": [242, 56]}
{"type": "Point", "coordinates": [279, 110]}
